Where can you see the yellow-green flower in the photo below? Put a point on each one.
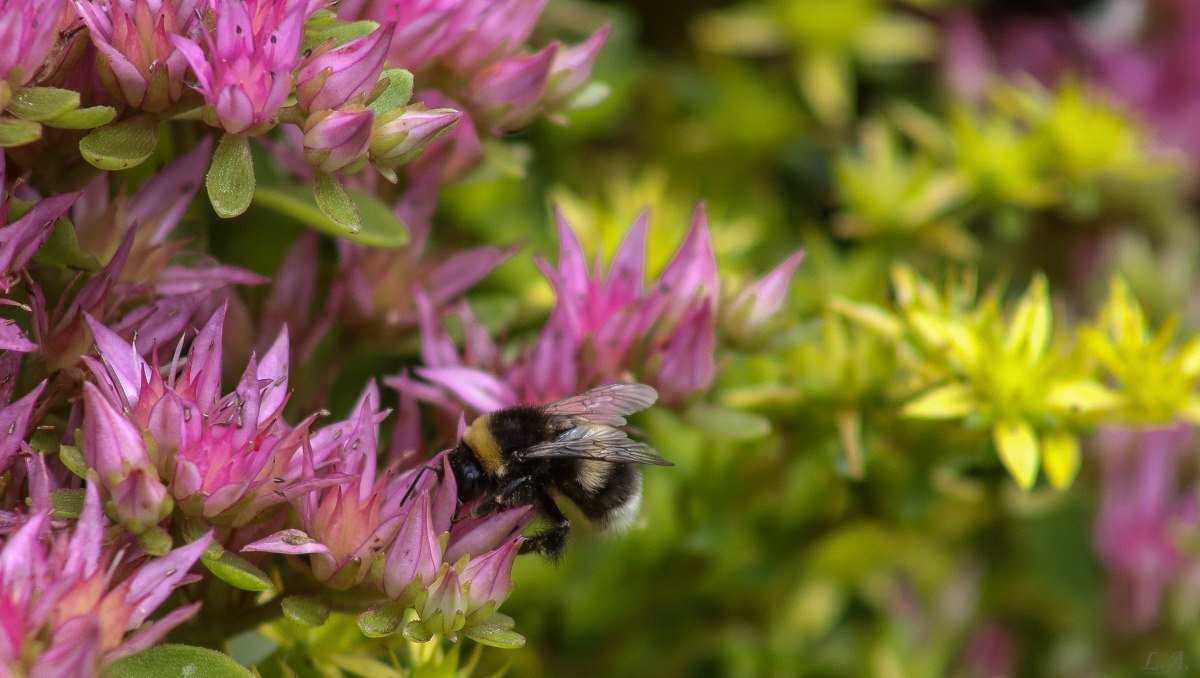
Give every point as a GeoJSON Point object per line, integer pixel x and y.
{"type": "Point", "coordinates": [1003, 371]}
{"type": "Point", "coordinates": [1155, 382]}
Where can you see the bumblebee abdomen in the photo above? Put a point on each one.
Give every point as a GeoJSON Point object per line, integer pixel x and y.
{"type": "Point", "coordinates": [610, 495]}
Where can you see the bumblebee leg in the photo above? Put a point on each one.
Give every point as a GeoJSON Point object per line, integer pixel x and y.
{"type": "Point", "coordinates": [552, 541]}
{"type": "Point", "coordinates": [516, 492]}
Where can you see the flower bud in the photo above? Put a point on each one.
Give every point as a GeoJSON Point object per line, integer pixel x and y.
{"type": "Point", "coordinates": [137, 61]}
{"type": "Point", "coordinates": [329, 79]}
{"type": "Point", "coordinates": [414, 556]}
{"type": "Point", "coordinates": [400, 135]}
{"type": "Point", "coordinates": [114, 449]}
{"type": "Point", "coordinates": [571, 69]}
{"type": "Point", "coordinates": [337, 141]}
{"type": "Point", "coordinates": [488, 580]}
{"type": "Point", "coordinates": [508, 92]}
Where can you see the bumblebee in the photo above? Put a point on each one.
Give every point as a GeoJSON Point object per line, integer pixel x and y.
{"type": "Point", "coordinates": [573, 448]}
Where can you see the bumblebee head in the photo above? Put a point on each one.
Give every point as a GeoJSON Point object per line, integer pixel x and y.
{"type": "Point", "coordinates": [468, 474]}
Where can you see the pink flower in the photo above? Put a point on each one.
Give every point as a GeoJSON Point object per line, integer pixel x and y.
{"type": "Point", "coordinates": [507, 94]}
{"type": "Point", "coordinates": [14, 424]}
{"type": "Point", "coordinates": [329, 78]}
{"type": "Point", "coordinates": [345, 525]}
{"type": "Point", "coordinates": [113, 448]}
{"type": "Point", "coordinates": [223, 458]}
{"type": "Point", "coordinates": [1142, 505]}
{"type": "Point", "coordinates": [336, 141]}
{"type": "Point", "coordinates": [246, 74]}
{"type": "Point", "coordinates": [372, 529]}
{"type": "Point", "coordinates": [604, 326]}
{"type": "Point", "coordinates": [400, 135]}
{"type": "Point", "coordinates": [750, 313]}
{"type": "Point", "coordinates": [28, 29]}
{"type": "Point", "coordinates": [70, 605]}
{"type": "Point", "coordinates": [21, 239]}
{"type": "Point", "coordinates": [465, 35]}
{"type": "Point", "coordinates": [144, 288]}
{"type": "Point", "coordinates": [138, 62]}
{"type": "Point", "coordinates": [571, 69]}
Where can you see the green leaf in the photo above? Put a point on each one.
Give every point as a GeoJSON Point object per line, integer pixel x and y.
{"type": "Point", "coordinates": [62, 250]}
{"type": "Point", "coordinates": [42, 103]}
{"type": "Point", "coordinates": [121, 145]}
{"type": "Point", "coordinates": [324, 24]}
{"type": "Point", "coordinates": [83, 118]}
{"type": "Point", "coordinates": [176, 660]}
{"type": "Point", "coordinates": [502, 620]}
{"type": "Point", "coordinates": [380, 226]}
{"type": "Point", "coordinates": [495, 636]}
{"type": "Point", "coordinates": [237, 571]}
{"type": "Point", "coordinates": [15, 132]}
{"type": "Point", "coordinates": [155, 541]}
{"type": "Point", "coordinates": [230, 179]}
{"type": "Point", "coordinates": [397, 93]}
{"type": "Point", "coordinates": [335, 203]}
{"type": "Point", "coordinates": [378, 622]}
{"type": "Point", "coordinates": [73, 460]}
{"type": "Point", "coordinates": [307, 611]}
{"type": "Point", "coordinates": [417, 632]}
{"type": "Point", "coordinates": [728, 423]}
{"type": "Point", "coordinates": [66, 503]}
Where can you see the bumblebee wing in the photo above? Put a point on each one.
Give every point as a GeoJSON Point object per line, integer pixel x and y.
{"type": "Point", "coordinates": [605, 405]}
{"type": "Point", "coordinates": [597, 442]}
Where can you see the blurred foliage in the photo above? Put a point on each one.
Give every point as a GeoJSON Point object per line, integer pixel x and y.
{"type": "Point", "coordinates": [948, 327]}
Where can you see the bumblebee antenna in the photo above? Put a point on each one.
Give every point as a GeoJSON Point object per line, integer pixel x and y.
{"type": "Point", "coordinates": [437, 470]}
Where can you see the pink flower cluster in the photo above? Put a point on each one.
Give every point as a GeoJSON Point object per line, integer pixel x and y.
{"type": "Point", "coordinates": [1144, 512]}
{"type": "Point", "coordinates": [71, 601]}
{"type": "Point", "coordinates": [605, 326]}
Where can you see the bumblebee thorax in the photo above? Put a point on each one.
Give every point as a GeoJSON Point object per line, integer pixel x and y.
{"type": "Point", "coordinates": [483, 443]}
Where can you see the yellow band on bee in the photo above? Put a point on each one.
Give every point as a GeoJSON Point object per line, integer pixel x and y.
{"type": "Point", "coordinates": [480, 439]}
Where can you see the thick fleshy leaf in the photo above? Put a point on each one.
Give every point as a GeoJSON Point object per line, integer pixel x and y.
{"type": "Point", "coordinates": [83, 118]}
{"type": "Point", "coordinates": [230, 179]}
{"type": "Point", "coordinates": [16, 132]}
{"type": "Point", "coordinates": [496, 636]}
{"type": "Point", "coordinates": [42, 103]}
{"type": "Point", "coordinates": [66, 503]}
{"type": "Point", "coordinates": [382, 621]}
{"type": "Point", "coordinates": [62, 249]}
{"type": "Point", "coordinates": [307, 611]}
{"type": "Point", "coordinates": [237, 572]}
{"type": "Point", "coordinates": [380, 226]}
{"type": "Point", "coordinates": [72, 458]}
{"type": "Point", "coordinates": [1018, 449]}
{"type": "Point", "coordinates": [417, 632]}
{"type": "Point", "coordinates": [155, 541]}
{"type": "Point", "coordinates": [121, 145]}
{"type": "Point", "coordinates": [177, 660]}
{"type": "Point", "coordinates": [397, 93]}
{"type": "Point", "coordinates": [335, 203]}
